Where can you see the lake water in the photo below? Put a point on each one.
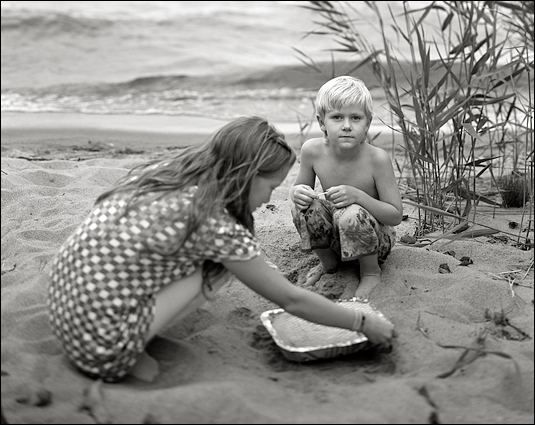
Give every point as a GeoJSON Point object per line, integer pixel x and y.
{"type": "Point", "coordinates": [209, 58]}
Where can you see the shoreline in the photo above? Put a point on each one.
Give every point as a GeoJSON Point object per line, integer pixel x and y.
{"type": "Point", "coordinates": [23, 130]}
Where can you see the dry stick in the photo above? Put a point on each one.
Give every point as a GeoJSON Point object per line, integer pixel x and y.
{"type": "Point", "coordinates": [422, 330]}
{"type": "Point", "coordinates": [511, 282]}
{"type": "Point", "coordinates": [471, 353]}
{"type": "Point", "coordinates": [441, 212]}
{"type": "Point", "coordinates": [529, 268]}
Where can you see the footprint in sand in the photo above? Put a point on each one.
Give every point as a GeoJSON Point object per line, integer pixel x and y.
{"type": "Point", "coordinates": [196, 322]}
{"type": "Point", "coordinates": [31, 325]}
{"type": "Point", "coordinates": [263, 342]}
{"type": "Point", "coordinates": [241, 317]}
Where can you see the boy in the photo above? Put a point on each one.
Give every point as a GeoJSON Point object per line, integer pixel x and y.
{"type": "Point", "coordinates": [362, 200]}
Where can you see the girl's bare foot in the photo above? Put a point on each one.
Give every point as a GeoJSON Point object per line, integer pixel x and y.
{"type": "Point", "coordinates": [146, 368]}
{"type": "Point", "coordinates": [367, 284]}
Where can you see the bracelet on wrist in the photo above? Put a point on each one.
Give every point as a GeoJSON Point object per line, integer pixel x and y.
{"type": "Point", "coordinates": [358, 322]}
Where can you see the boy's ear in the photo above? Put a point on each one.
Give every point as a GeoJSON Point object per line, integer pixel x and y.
{"type": "Point", "coordinates": [369, 123]}
{"type": "Point", "coordinates": [320, 122]}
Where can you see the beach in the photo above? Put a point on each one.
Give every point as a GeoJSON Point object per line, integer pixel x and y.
{"type": "Point", "coordinates": [464, 351]}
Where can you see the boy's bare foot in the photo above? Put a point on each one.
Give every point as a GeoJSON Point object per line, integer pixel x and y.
{"type": "Point", "coordinates": [367, 284]}
{"type": "Point", "coordinates": [315, 274]}
{"type": "Point", "coordinates": [146, 368]}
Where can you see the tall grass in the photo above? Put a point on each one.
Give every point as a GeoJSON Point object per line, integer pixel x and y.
{"type": "Point", "coordinates": [461, 100]}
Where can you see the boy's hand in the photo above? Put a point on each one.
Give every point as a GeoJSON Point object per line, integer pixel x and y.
{"type": "Point", "coordinates": [342, 196]}
{"type": "Point", "coordinates": [303, 195]}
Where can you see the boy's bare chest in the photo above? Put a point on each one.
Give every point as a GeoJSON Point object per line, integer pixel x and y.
{"type": "Point", "coordinates": [356, 173]}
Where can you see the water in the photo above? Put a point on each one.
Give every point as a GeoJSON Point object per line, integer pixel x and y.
{"type": "Point", "coordinates": [210, 58]}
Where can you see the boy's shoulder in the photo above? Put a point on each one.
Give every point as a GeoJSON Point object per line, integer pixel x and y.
{"type": "Point", "coordinates": [376, 150]}
{"type": "Point", "coordinates": [314, 144]}
{"type": "Point", "coordinates": [376, 153]}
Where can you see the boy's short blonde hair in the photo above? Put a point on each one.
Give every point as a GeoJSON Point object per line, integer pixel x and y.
{"type": "Point", "coordinates": [341, 92]}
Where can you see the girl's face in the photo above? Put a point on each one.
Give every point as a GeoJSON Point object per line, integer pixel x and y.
{"type": "Point", "coordinates": [261, 187]}
{"type": "Point", "coordinates": [346, 127]}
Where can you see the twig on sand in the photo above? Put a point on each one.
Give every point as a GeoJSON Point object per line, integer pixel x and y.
{"type": "Point", "coordinates": [5, 270]}
{"type": "Point", "coordinates": [500, 319]}
{"type": "Point", "coordinates": [422, 330]}
{"type": "Point", "coordinates": [528, 270]}
{"type": "Point", "coordinates": [473, 352]}
{"type": "Point", "coordinates": [512, 278]}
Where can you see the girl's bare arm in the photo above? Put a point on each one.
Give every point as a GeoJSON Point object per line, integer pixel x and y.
{"type": "Point", "coordinates": [272, 285]}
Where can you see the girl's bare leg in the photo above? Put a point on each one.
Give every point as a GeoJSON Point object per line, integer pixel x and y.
{"type": "Point", "coordinates": [173, 302]}
{"type": "Point", "coordinates": [328, 264]}
{"type": "Point", "coordinates": [370, 276]}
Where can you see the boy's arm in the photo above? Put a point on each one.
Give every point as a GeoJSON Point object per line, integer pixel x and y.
{"type": "Point", "coordinates": [302, 191]}
{"type": "Point", "coordinates": [388, 209]}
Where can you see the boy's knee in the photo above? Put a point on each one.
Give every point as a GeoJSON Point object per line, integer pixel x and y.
{"type": "Point", "coordinates": [352, 215]}
{"type": "Point", "coordinates": [315, 210]}
{"type": "Point", "coordinates": [318, 209]}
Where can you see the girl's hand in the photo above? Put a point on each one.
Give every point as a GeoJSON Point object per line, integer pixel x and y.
{"type": "Point", "coordinates": [379, 331]}
{"type": "Point", "coordinates": [342, 196]}
{"type": "Point", "coordinates": [303, 195]}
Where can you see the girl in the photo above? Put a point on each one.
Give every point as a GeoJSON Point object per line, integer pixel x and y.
{"type": "Point", "coordinates": [165, 239]}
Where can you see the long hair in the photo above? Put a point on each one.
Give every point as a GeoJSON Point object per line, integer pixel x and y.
{"type": "Point", "coordinates": [222, 168]}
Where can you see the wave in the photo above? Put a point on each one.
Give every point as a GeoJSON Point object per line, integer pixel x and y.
{"type": "Point", "coordinates": [141, 10]}
{"type": "Point", "coordinates": [50, 24]}
{"type": "Point", "coordinates": [285, 89]}
{"type": "Point", "coordinates": [163, 95]}
{"type": "Point", "coordinates": [160, 57]}
{"type": "Point", "coordinates": [44, 47]}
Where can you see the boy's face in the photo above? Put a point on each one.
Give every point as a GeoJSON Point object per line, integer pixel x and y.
{"type": "Point", "coordinates": [346, 127]}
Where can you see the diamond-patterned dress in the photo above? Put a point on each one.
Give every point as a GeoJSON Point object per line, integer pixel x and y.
{"type": "Point", "coordinates": [103, 279]}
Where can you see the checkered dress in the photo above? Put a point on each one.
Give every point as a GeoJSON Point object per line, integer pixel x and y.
{"type": "Point", "coordinates": [103, 279]}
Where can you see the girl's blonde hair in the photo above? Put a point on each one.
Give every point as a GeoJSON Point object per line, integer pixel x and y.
{"type": "Point", "coordinates": [223, 168]}
{"type": "Point", "coordinates": [341, 92]}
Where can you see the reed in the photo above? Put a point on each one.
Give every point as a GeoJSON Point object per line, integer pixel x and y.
{"type": "Point", "coordinates": [461, 101]}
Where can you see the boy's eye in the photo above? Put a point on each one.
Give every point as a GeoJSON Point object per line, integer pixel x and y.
{"type": "Point", "coordinates": [340, 117]}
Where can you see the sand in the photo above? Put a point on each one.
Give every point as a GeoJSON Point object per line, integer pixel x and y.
{"type": "Point", "coordinates": [464, 353]}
